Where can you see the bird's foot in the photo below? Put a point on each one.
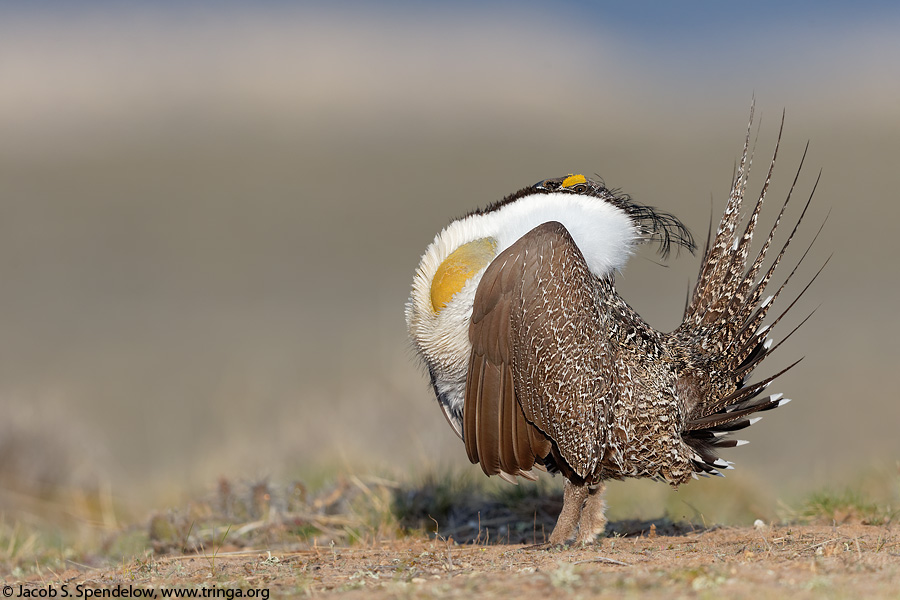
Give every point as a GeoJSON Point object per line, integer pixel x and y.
{"type": "Point", "coordinates": [584, 510]}
{"type": "Point", "coordinates": [592, 523]}
{"type": "Point", "coordinates": [573, 500]}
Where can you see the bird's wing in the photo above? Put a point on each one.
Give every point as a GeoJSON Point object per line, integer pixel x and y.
{"type": "Point", "coordinates": [537, 372]}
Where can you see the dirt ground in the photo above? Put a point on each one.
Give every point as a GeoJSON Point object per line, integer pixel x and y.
{"type": "Point", "coordinates": [799, 561]}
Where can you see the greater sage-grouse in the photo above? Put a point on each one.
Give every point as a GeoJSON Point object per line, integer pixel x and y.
{"type": "Point", "coordinates": [536, 361]}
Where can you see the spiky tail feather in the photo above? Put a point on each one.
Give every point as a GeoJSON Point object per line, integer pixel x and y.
{"type": "Point", "coordinates": [722, 339]}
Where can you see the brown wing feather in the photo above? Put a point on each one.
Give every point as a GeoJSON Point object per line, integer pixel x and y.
{"type": "Point", "coordinates": [495, 430]}
{"type": "Point", "coordinates": [488, 417]}
{"type": "Point", "coordinates": [473, 387]}
{"type": "Point", "coordinates": [508, 444]}
{"type": "Point", "coordinates": [535, 374]}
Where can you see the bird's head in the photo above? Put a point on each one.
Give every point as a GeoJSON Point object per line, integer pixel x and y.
{"type": "Point", "coordinates": [605, 225]}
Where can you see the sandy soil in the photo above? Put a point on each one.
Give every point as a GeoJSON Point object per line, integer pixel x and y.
{"type": "Point", "coordinates": [799, 561]}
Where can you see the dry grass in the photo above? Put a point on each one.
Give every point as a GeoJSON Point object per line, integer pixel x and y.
{"type": "Point", "coordinates": [803, 561]}
{"type": "Point", "coordinates": [448, 535]}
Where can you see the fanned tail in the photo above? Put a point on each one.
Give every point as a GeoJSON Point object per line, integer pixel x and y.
{"type": "Point", "coordinates": [722, 338]}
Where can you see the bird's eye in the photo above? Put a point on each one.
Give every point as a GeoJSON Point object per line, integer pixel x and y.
{"type": "Point", "coordinates": [579, 189]}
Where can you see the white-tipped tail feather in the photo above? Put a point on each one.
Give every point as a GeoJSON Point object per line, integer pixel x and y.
{"type": "Point", "coordinates": [723, 338]}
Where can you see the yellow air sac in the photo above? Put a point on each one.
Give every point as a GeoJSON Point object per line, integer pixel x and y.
{"type": "Point", "coordinates": [458, 268]}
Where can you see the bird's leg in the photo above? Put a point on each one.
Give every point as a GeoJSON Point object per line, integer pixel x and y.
{"type": "Point", "coordinates": [593, 515]}
{"type": "Point", "coordinates": [573, 500]}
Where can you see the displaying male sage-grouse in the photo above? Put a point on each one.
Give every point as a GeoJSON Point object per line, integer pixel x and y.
{"type": "Point", "coordinates": [537, 362]}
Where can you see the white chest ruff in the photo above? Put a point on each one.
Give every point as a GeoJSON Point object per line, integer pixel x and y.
{"type": "Point", "coordinates": [603, 232]}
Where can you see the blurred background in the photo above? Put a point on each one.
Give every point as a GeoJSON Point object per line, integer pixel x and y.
{"type": "Point", "coordinates": [210, 215]}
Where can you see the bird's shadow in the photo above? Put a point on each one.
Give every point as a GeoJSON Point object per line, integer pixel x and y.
{"type": "Point", "coordinates": [522, 515]}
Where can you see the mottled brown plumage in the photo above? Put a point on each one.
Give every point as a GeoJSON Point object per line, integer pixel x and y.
{"type": "Point", "coordinates": [563, 374]}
